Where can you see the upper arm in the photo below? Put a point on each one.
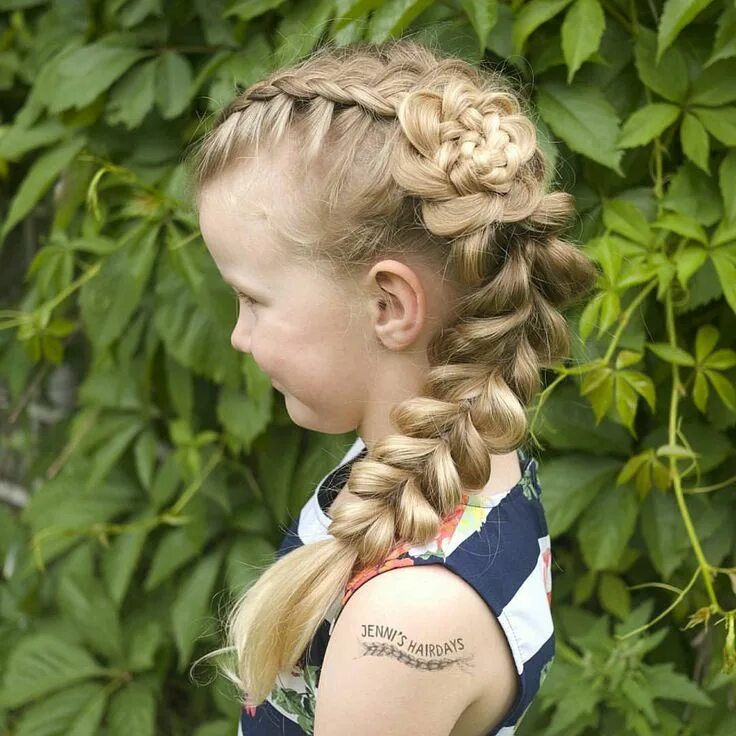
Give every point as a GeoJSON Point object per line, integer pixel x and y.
{"type": "Point", "coordinates": [411, 650]}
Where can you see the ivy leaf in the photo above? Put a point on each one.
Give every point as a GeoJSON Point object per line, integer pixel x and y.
{"type": "Point", "coordinates": [42, 174]}
{"type": "Point", "coordinates": [676, 14]}
{"type": "Point", "coordinates": [584, 119]}
{"type": "Point", "coordinates": [671, 354]}
{"type": "Point", "coordinates": [715, 85]}
{"type": "Point", "coordinates": [614, 596]}
{"type": "Point", "coordinates": [668, 76]}
{"type": "Point", "coordinates": [723, 387]}
{"type": "Point", "coordinates": [720, 123]}
{"type": "Point", "coordinates": [695, 141]}
{"type": "Point", "coordinates": [483, 15]}
{"type": "Point", "coordinates": [87, 72]}
{"type": "Point", "coordinates": [133, 96]}
{"type": "Point", "coordinates": [40, 664]}
{"type": "Point", "coordinates": [727, 181]}
{"type": "Point", "coordinates": [647, 123]}
{"type": "Point", "coordinates": [668, 685]}
{"type": "Point", "coordinates": [571, 483]}
{"type": "Point", "coordinates": [192, 603]}
{"type": "Point", "coordinates": [724, 260]}
{"type": "Point", "coordinates": [664, 532]}
{"type": "Point", "coordinates": [724, 45]}
{"type": "Point", "coordinates": [530, 16]}
{"type": "Point", "coordinates": [626, 218]}
{"type": "Point", "coordinates": [173, 84]}
{"type": "Point", "coordinates": [607, 525]}
{"type": "Point", "coordinates": [582, 31]}
{"type": "Point", "coordinates": [132, 711]}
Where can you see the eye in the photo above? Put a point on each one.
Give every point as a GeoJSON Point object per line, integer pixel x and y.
{"type": "Point", "coordinates": [239, 295]}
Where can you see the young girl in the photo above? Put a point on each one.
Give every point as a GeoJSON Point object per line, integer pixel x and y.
{"type": "Point", "coordinates": [380, 211]}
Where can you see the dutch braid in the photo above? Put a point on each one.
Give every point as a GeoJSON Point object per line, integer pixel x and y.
{"type": "Point", "coordinates": [447, 153]}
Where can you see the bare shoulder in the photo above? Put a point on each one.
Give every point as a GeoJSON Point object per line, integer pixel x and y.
{"type": "Point", "coordinates": [412, 650]}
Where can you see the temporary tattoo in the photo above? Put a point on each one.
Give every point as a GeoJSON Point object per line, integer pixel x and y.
{"type": "Point", "coordinates": [421, 656]}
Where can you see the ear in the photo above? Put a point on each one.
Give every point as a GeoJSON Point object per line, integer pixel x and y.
{"type": "Point", "coordinates": [399, 304]}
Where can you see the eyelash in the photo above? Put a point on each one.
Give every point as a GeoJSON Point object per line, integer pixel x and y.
{"type": "Point", "coordinates": [239, 295]}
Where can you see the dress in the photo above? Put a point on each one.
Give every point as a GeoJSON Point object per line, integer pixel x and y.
{"type": "Point", "coordinates": [498, 543]}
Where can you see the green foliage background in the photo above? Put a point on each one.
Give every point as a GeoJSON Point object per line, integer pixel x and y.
{"type": "Point", "coordinates": [147, 468]}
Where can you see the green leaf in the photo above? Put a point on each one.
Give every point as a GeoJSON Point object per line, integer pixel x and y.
{"type": "Point", "coordinates": [393, 16]}
{"type": "Point", "coordinates": [626, 401]}
{"type": "Point", "coordinates": [614, 596]}
{"type": "Point", "coordinates": [120, 560]}
{"type": "Point", "coordinates": [671, 354]}
{"type": "Point", "coordinates": [483, 15]}
{"type": "Point", "coordinates": [192, 604]}
{"type": "Point", "coordinates": [89, 718]}
{"type": "Point", "coordinates": [724, 45]}
{"type": "Point", "coordinates": [693, 193]}
{"type": "Point", "coordinates": [582, 31]}
{"type": "Point", "coordinates": [682, 225]}
{"type": "Point", "coordinates": [668, 685]}
{"type": "Point", "coordinates": [727, 181]}
{"type": "Point", "coordinates": [720, 123]}
{"type": "Point", "coordinates": [664, 532]}
{"type": "Point", "coordinates": [647, 123]}
{"type": "Point", "coordinates": [571, 482]}
{"type": "Point", "coordinates": [247, 9]}
{"type": "Point", "coordinates": [700, 391]}
{"type": "Point", "coordinates": [724, 388]}
{"type": "Point", "coordinates": [667, 77]}
{"type": "Point", "coordinates": [177, 547]}
{"type": "Point", "coordinates": [715, 85]}
{"type": "Point", "coordinates": [676, 14]}
{"type": "Point", "coordinates": [54, 714]}
{"type": "Point", "coordinates": [133, 96]}
{"type": "Point", "coordinates": [245, 417]}
{"type": "Point", "coordinates": [41, 664]}
{"type": "Point", "coordinates": [42, 174]}
{"type": "Point", "coordinates": [173, 84]}
{"type": "Point", "coordinates": [695, 142]}
{"type": "Point", "coordinates": [247, 558]}
{"type": "Point", "coordinates": [90, 608]}
{"type": "Point", "coordinates": [705, 341]}
{"type": "Point", "coordinates": [721, 359]}
{"type": "Point", "coordinates": [89, 71]}
{"type": "Point", "coordinates": [132, 711]}
{"type": "Point", "coordinates": [584, 118]}
{"type": "Point", "coordinates": [724, 260]}
{"type": "Point", "coordinates": [110, 298]}
{"type": "Point", "coordinates": [607, 525]}
{"type": "Point", "coordinates": [626, 218]}
{"type": "Point", "coordinates": [532, 15]}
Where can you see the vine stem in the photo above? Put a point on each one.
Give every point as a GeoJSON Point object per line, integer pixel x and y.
{"type": "Point", "coordinates": [625, 318]}
{"type": "Point", "coordinates": [703, 564]}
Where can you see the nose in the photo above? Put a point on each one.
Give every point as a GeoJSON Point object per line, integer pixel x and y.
{"type": "Point", "coordinates": [240, 338]}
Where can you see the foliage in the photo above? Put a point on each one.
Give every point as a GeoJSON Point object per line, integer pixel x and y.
{"type": "Point", "coordinates": [148, 472]}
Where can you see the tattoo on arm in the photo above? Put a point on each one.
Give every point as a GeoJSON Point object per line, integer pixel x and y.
{"type": "Point", "coordinates": [386, 641]}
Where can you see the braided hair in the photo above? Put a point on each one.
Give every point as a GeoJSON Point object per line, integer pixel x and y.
{"type": "Point", "coordinates": [423, 154]}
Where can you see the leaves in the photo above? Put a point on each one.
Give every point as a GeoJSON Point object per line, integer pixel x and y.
{"type": "Point", "coordinates": [40, 664]}
{"type": "Point", "coordinates": [584, 119]}
{"type": "Point", "coordinates": [582, 31]}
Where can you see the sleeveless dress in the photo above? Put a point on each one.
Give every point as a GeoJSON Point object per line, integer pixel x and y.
{"type": "Point", "coordinates": [498, 543]}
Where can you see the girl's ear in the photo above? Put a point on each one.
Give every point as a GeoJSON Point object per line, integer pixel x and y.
{"type": "Point", "coordinates": [403, 309]}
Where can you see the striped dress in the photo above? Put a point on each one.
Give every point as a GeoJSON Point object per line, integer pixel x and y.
{"type": "Point", "coordinates": [498, 543]}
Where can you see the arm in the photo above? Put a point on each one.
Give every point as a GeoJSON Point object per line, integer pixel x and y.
{"type": "Point", "coordinates": [411, 650]}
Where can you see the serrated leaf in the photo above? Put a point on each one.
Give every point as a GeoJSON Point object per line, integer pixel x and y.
{"type": "Point", "coordinates": [41, 664]}
{"type": "Point", "coordinates": [532, 15]}
{"type": "Point", "coordinates": [626, 218]}
{"type": "Point", "coordinates": [727, 181]}
{"type": "Point", "coordinates": [724, 261]}
{"type": "Point", "coordinates": [676, 14]}
{"type": "Point", "coordinates": [571, 483]}
{"type": "Point", "coordinates": [671, 354]}
{"type": "Point", "coordinates": [192, 603]}
{"type": "Point", "coordinates": [695, 141]}
{"type": "Point", "coordinates": [614, 596]}
{"type": "Point", "coordinates": [720, 123]}
{"type": "Point", "coordinates": [647, 123]}
{"type": "Point", "coordinates": [584, 118]}
{"type": "Point", "coordinates": [667, 77]}
{"type": "Point", "coordinates": [668, 685]}
{"type": "Point", "coordinates": [133, 96]}
{"type": "Point", "coordinates": [724, 45]}
{"type": "Point", "coordinates": [706, 339]}
{"type": "Point", "coordinates": [89, 71]}
{"type": "Point", "coordinates": [482, 15]}
{"type": "Point", "coordinates": [42, 174]}
{"type": "Point", "coordinates": [132, 711]}
{"type": "Point", "coordinates": [582, 31]}
{"type": "Point", "coordinates": [173, 84]}
{"type": "Point", "coordinates": [607, 525]}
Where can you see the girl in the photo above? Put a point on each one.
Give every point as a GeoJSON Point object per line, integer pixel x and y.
{"type": "Point", "coordinates": [380, 211]}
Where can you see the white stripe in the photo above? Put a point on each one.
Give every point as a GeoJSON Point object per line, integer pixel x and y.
{"type": "Point", "coordinates": [527, 619]}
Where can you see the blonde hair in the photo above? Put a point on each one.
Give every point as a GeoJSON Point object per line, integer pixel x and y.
{"type": "Point", "coordinates": [426, 154]}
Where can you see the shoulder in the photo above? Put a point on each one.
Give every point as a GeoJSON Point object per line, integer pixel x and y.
{"type": "Point", "coordinates": [411, 650]}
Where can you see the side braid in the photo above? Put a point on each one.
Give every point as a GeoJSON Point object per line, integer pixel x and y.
{"type": "Point", "coordinates": [407, 152]}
